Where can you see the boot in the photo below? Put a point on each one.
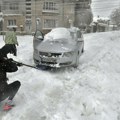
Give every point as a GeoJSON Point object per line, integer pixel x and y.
{"type": "Point", "coordinates": [8, 105]}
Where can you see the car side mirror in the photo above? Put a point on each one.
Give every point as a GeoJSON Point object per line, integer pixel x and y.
{"type": "Point", "coordinates": [40, 38]}
{"type": "Point", "coordinates": [33, 33]}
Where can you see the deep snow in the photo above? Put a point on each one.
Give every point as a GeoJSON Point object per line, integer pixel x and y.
{"type": "Point", "coordinates": [90, 92]}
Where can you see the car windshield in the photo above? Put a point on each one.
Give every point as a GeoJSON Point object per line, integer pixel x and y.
{"type": "Point", "coordinates": [62, 40]}
{"type": "Point", "coordinates": [60, 35]}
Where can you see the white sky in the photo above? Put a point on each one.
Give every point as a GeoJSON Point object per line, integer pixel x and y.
{"type": "Point", "coordinates": [103, 8]}
{"type": "Point", "coordinates": [90, 92]}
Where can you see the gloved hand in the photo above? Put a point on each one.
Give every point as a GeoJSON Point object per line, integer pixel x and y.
{"type": "Point", "coordinates": [17, 44]}
{"type": "Point", "coordinates": [10, 59]}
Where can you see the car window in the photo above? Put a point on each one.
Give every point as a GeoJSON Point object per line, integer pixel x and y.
{"type": "Point", "coordinates": [39, 34]}
{"type": "Point", "coordinates": [73, 35]}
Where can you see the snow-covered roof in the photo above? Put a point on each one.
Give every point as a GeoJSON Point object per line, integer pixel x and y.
{"type": "Point", "coordinates": [12, 26]}
{"type": "Point", "coordinates": [103, 24]}
{"type": "Point", "coordinates": [95, 19]}
{"type": "Point", "coordinates": [12, 14]}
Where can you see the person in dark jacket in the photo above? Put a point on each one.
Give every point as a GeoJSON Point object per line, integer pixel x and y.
{"type": "Point", "coordinates": [5, 50]}
{"type": "Point", "coordinates": [7, 65]}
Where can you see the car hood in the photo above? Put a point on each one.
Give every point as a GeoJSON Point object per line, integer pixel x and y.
{"type": "Point", "coordinates": [55, 47]}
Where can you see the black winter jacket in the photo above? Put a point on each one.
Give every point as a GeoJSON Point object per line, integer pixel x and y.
{"type": "Point", "coordinates": [6, 65]}
{"type": "Point", "coordinates": [8, 48]}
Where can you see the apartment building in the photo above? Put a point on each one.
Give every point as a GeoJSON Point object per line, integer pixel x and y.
{"type": "Point", "coordinates": [12, 13]}
{"type": "Point", "coordinates": [46, 13]}
{"type": "Point", "coordinates": [29, 15]}
{"type": "Point", "coordinates": [54, 13]}
{"type": "Point", "coordinates": [58, 13]}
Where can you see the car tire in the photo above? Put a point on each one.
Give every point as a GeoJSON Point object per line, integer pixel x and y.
{"type": "Point", "coordinates": [82, 50]}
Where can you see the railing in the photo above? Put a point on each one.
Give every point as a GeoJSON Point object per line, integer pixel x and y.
{"type": "Point", "coordinates": [50, 11]}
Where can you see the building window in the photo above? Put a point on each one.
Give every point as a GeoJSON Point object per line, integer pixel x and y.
{"type": "Point", "coordinates": [28, 12]}
{"type": "Point", "coordinates": [28, 8]}
{"type": "Point", "coordinates": [50, 6]}
{"type": "Point", "coordinates": [81, 0]}
{"type": "Point", "coordinates": [28, 0]}
{"type": "Point", "coordinates": [11, 22]}
{"type": "Point", "coordinates": [28, 4]}
{"type": "Point", "coordinates": [5, 5]}
{"type": "Point", "coordinates": [50, 23]}
{"type": "Point", "coordinates": [14, 6]}
{"type": "Point", "coordinates": [28, 17]}
{"type": "Point", "coordinates": [78, 6]}
{"type": "Point", "coordinates": [82, 6]}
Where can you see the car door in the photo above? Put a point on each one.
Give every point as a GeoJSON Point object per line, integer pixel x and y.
{"type": "Point", "coordinates": [38, 38]}
{"type": "Point", "coordinates": [80, 41]}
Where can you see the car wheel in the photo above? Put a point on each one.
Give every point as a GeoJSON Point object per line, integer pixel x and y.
{"type": "Point", "coordinates": [82, 50]}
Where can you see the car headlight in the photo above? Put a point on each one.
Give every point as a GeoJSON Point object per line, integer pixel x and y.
{"type": "Point", "coordinates": [68, 54]}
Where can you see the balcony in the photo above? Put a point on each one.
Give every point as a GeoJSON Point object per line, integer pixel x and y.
{"type": "Point", "coordinates": [50, 11]}
{"type": "Point", "coordinates": [28, 1]}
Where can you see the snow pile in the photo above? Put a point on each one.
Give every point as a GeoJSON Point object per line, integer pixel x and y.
{"type": "Point", "coordinates": [90, 92]}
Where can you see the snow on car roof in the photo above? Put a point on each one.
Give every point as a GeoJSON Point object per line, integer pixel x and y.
{"type": "Point", "coordinates": [58, 33]}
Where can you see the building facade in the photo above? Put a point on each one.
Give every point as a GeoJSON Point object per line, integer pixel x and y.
{"type": "Point", "coordinates": [29, 15]}
{"type": "Point", "coordinates": [12, 14]}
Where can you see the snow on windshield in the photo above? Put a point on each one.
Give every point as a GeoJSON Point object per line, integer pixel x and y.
{"type": "Point", "coordinates": [59, 35]}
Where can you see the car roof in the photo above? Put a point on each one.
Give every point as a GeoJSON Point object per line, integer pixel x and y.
{"type": "Point", "coordinates": [58, 33]}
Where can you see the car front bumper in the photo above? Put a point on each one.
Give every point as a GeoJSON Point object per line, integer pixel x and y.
{"type": "Point", "coordinates": [53, 61]}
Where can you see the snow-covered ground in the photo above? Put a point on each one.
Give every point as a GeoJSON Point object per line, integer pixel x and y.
{"type": "Point", "coordinates": [90, 92]}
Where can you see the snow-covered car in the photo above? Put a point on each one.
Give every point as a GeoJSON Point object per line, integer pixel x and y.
{"type": "Point", "coordinates": [60, 47]}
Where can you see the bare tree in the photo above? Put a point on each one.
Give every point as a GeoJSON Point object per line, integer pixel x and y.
{"type": "Point", "coordinates": [115, 16]}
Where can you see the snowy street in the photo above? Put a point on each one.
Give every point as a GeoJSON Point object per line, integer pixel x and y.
{"type": "Point", "coordinates": [90, 92]}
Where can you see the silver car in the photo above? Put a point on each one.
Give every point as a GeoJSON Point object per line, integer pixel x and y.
{"type": "Point", "coordinates": [59, 48]}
